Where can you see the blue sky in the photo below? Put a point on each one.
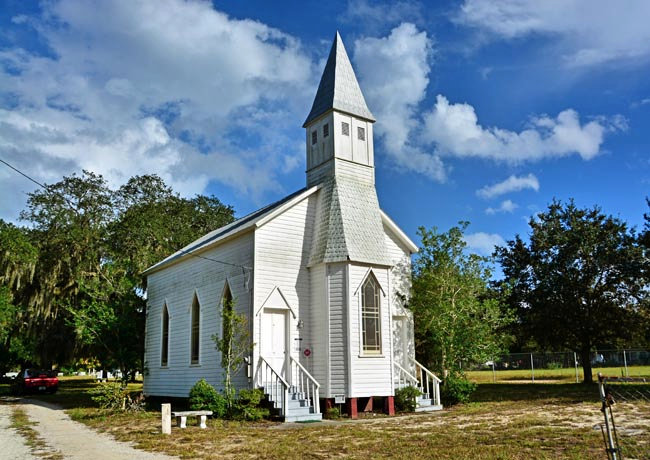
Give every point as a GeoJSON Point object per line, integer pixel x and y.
{"type": "Point", "coordinates": [486, 110]}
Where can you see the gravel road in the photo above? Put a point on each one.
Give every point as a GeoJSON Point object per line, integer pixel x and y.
{"type": "Point", "coordinates": [12, 444]}
{"type": "Point", "coordinates": [72, 439]}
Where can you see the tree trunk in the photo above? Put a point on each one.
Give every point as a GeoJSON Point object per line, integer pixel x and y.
{"type": "Point", "coordinates": [585, 356]}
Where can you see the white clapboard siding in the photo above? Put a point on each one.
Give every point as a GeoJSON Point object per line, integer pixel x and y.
{"type": "Point", "coordinates": [282, 248]}
{"type": "Point", "coordinates": [338, 336]}
{"type": "Point", "coordinates": [400, 273]}
{"type": "Point", "coordinates": [371, 375]}
{"type": "Point", "coordinates": [400, 285]}
{"type": "Point", "coordinates": [317, 340]}
{"type": "Point", "coordinates": [176, 285]}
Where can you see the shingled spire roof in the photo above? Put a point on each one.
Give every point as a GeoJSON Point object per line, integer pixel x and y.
{"type": "Point", "coordinates": [339, 88]}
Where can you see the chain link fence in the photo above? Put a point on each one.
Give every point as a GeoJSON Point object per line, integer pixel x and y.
{"type": "Point", "coordinates": [626, 416]}
{"type": "Point", "coordinates": [559, 366]}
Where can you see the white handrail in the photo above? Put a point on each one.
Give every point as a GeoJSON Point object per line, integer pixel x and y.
{"type": "Point", "coordinates": [435, 377]}
{"type": "Point", "coordinates": [272, 382]}
{"type": "Point", "coordinates": [310, 388]}
{"type": "Point", "coordinates": [427, 380]}
{"type": "Point", "coordinates": [404, 376]}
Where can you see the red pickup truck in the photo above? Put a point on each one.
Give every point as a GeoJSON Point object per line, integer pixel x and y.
{"type": "Point", "coordinates": [33, 380]}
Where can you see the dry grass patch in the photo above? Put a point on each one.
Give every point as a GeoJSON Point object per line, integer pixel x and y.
{"type": "Point", "coordinates": [23, 425]}
{"type": "Point", "coordinates": [505, 421]}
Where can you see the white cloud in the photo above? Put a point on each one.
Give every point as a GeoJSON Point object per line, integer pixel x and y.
{"type": "Point", "coordinates": [588, 32]}
{"type": "Point", "coordinates": [376, 16]}
{"type": "Point", "coordinates": [505, 206]}
{"type": "Point", "coordinates": [484, 243]}
{"type": "Point", "coordinates": [171, 96]}
{"type": "Point", "coordinates": [511, 184]}
{"type": "Point", "coordinates": [394, 74]}
{"type": "Point", "coordinates": [454, 129]}
{"type": "Point", "coordinates": [640, 103]}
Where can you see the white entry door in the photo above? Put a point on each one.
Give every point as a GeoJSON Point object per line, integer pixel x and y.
{"type": "Point", "coordinates": [274, 338]}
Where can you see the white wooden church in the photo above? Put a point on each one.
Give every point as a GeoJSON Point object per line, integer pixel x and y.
{"type": "Point", "coordinates": [322, 276]}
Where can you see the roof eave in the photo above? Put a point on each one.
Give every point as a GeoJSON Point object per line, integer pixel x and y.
{"type": "Point", "coordinates": [314, 118]}
{"type": "Point", "coordinates": [410, 245]}
{"type": "Point", "coordinates": [175, 258]}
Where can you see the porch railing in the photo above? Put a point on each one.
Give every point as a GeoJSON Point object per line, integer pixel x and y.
{"type": "Point", "coordinates": [405, 378]}
{"type": "Point", "coordinates": [429, 383]}
{"type": "Point", "coordinates": [274, 385]}
{"type": "Point", "coordinates": [303, 382]}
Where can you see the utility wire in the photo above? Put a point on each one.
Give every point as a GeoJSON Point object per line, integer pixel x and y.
{"type": "Point", "coordinates": [47, 189]}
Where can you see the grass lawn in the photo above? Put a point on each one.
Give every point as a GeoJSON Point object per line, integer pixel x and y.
{"type": "Point", "coordinates": [504, 421]}
{"type": "Point", "coordinates": [567, 375]}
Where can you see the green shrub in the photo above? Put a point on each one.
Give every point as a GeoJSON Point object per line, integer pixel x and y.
{"type": "Point", "coordinates": [247, 406]}
{"type": "Point", "coordinates": [554, 365]}
{"type": "Point", "coordinates": [110, 395]}
{"type": "Point", "coordinates": [332, 413]}
{"type": "Point", "coordinates": [204, 396]}
{"type": "Point", "coordinates": [406, 399]}
{"type": "Point", "coordinates": [456, 390]}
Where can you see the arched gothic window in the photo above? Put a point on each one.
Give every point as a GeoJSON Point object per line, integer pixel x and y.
{"type": "Point", "coordinates": [370, 316]}
{"type": "Point", "coordinates": [226, 313]}
{"type": "Point", "coordinates": [196, 323]}
{"type": "Point", "coordinates": [164, 350]}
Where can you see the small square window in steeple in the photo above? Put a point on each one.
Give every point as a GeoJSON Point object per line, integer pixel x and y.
{"type": "Point", "coordinates": [345, 128]}
{"type": "Point", "coordinates": [361, 133]}
{"type": "Point", "coordinates": [314, 137]}
{"type": "Point", "coordinates": [326, 130]}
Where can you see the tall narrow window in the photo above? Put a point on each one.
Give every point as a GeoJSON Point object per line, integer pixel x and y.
{"type": "Point", "coordinates": [196, 318]}
{"type": "Point", "coordinates": [326, 130]}
{"type": "Point", "coordinates": [226, 314]}
{"type": "Point", "coordinates": [370, 318]}
{"type": "Point", "coordinates": [314, 137]}
{"type": "Point", "coordinates": [345, 128]}
{"type": "Point", "coordinates": [164, 351]}
{"type": "Point", "coordinates": [361, 133]}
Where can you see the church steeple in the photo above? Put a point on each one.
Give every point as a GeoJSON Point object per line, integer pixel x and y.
{"type": "Point", "coordinates": [339, 88]}
{"type": "Point", "coordinates": [339, 125]}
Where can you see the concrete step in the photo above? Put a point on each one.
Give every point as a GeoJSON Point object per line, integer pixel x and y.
{"type": "Point", "coordinates": [293, 403]}
{"type": "Point", "coordinates": [304, 418]}
{"type": "Point", "coordinates": [429, 408]}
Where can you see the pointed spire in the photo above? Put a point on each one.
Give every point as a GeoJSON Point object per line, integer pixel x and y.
{"type": "Point", "coordinates": [339, 88]}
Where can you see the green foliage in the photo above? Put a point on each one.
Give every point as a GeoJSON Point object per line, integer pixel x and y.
{"type": "Point", "coordinates": [204, 396]}
{"type": "Point", "coordinates": [247, 406]}
{"type": "Point", "coordinates": [235, 347]}
{"type": "Point", "coordinates": [579, 282]}
{"type": "Point", "coordinates": [406, 398]}
{"type": "Point", "coordinates": [110, 395]}
{"type": "Point", "coordinates": [74, 274]}
{"type": "Point", "coordinates": [458, 318]}
{"type": "Point", "coordinates": [456, 389]}
{"type": "Point", "coordinates": [332, 413]}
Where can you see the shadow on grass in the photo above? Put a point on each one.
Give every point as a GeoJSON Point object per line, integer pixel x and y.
{"type": "Point", "coordinates": [497, 392]}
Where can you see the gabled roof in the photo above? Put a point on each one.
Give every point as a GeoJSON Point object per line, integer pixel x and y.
{"type": "Point", "coordinates": [388, 222]}
{"type": "Point", "coordinates": [254, 219]}
{"type": "Point", "coordinates": [339, 88]}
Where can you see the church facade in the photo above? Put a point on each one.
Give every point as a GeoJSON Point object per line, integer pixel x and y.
{"type": "Point", "coordinates": [321, 275]}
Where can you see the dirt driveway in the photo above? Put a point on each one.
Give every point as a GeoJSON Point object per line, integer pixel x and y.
{"type": "Point", "coordinates": [70, 439]}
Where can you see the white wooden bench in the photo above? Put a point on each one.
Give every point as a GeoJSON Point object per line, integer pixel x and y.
{"type": "Point", "coordinates": [181, 417]}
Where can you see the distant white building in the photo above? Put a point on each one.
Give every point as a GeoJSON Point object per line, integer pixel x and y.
{"type": "Point", "coordinates": [322, 276]}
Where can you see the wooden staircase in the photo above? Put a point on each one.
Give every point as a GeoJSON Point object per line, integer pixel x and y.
{"type": "Point", "coordinates": [425, 381]}
{"type": "Point", "coordinates": [296, 400]}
